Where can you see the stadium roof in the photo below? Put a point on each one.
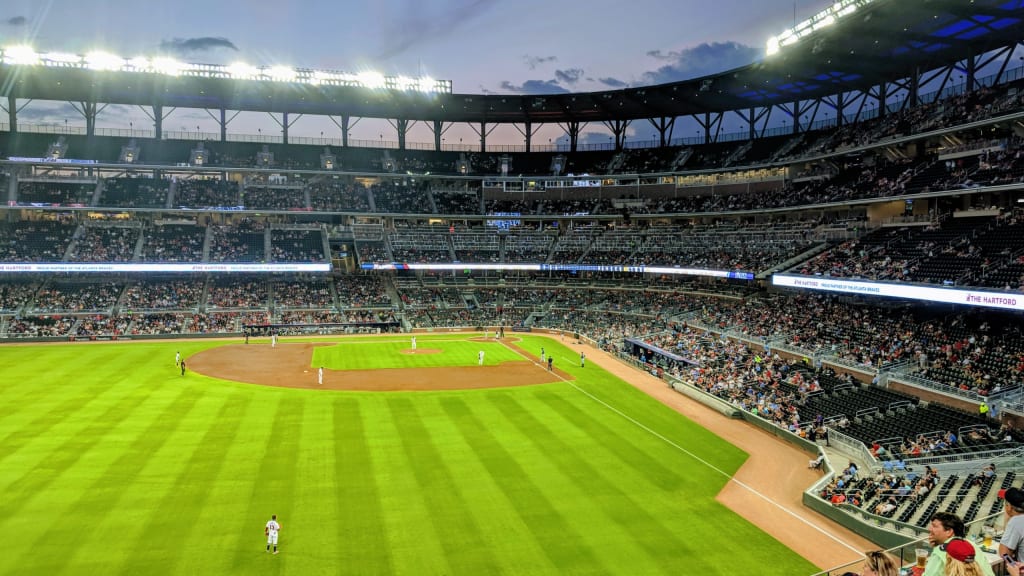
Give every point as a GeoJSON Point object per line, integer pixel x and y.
{"type": "Point", "coordinates": [882, 41]}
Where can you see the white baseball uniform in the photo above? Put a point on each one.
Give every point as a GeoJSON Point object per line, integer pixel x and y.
{"type": "Point", "coordinates": [272, 529]}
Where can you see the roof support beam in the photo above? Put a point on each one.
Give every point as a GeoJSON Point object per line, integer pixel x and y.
{"type": "Point", "coordinates": [665, 126]}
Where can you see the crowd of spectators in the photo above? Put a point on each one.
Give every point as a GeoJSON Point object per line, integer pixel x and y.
{"type": "Point", "coordinates": [372, 252]}
{"type": "Point", "coordinates": [297, 245]}
{"type": "Point", "coordinates": [40, 326]}
{"type": "Point", "coordinates": [242, 242]}
{"type": "Point", "coordinates": [135, 192]}
{"type": "Point", "coordinates": [56, 193]}
{"type": "Point", "coordinates": [274, 198]}
{"type": "Point", "coordinates": [362, 291]}
{"type": "Point", "coordinates": [14, 295]}
{"type": "Point", "coordinates": [402, 198]}
{"type": "Point", "coordinates": [163, 294]}
{"type": "Point", "coordinates": [35, 241]}
{"type": "Point", "coordinates": [105, 244]}
{"type": "Point", "coordinates": [76, 297]}
{"type": "Point", "coordinates": [334, 195]}
{"type": "Point", "coordinates": [237, 293]}
{"type": "Point", "coordinates": [206, 193]}
{"type": "Point", "coordinates": [311, 293]}
{"type": "Point", "coordinates": [173, 243]}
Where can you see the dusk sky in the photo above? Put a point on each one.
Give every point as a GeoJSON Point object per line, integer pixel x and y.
{"type": "Point", "coordinates": [482, 46]}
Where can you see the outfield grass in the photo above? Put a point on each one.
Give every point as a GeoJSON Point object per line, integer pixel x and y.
{"type": "Point", "coordinates": [112, 463]}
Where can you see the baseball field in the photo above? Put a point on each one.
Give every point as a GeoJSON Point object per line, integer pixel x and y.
{"type": "Point", "coordinates": [417, 462]}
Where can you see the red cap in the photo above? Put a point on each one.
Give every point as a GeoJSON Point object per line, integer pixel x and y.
{"type": "Point", "coordinates": [960, 549]}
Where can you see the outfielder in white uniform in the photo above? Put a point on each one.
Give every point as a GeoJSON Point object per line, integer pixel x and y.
{"type": "Point", "coordinates": [320, 376]}
{"type": "Point", "coordinates": [480, 358]}
{"type": "Point", "coordinates": [177, 358]}
{"type": "Point", "coordinates": [271, 531]}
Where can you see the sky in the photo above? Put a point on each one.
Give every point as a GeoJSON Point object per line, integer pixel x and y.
{"type": "Point", "coordinates": [482, 46]}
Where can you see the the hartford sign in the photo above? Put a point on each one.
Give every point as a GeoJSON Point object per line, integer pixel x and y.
{"type": "Point", "coordinates": [988, 299]}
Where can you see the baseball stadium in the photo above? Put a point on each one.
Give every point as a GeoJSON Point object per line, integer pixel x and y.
{"type": "Point", "coordinates": [791, 349]}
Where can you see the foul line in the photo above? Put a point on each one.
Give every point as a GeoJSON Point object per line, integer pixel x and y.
{"type": "Point", "coordinates": [730, 478]}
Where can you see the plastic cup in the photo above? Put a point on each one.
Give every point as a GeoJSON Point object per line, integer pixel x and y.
{"type": "Point", "coordinates": [986, 537]}
{"type": "Point", "coordinates": [922, 557]}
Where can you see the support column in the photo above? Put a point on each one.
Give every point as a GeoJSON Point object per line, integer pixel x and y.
{"type": "Point", "coordinates": [12, 114]}
{"type": "Point", "coordinates": [402, 127]}
{"type": "Point", "coordinates": [223, 125]}
{"type": "Point", "coordinates": [915, 84]}
{"type": "Point", "coordinates": [971, 69]}
{"type": "Point", "coordinates": [284, 128]}
{"type": "Point", "coordinates": [438, 130]}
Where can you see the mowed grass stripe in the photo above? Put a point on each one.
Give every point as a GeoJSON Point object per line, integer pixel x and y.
{"type": "Point", "coordinates": [46, 459]}
{"type": "Point", "coordinates": [492, 518]}
{"type": "Point", "coordinates": [359, 515]}
{"type": "Point", "coordinates": [222, 525]}
{"type": "Point", "coordinates": [112, 532]}
{"type": "Point", "coordinates": [413, 539]}
{"type": "Point", "coordinates": [273, 484]}
{"type": "Point", "coordinates": [316, 489]}
{"type": "Point", "coordinates": [188, 491]}
{"type": "Point", "coordinates": [56, 530]}
{"type": "Point", "coordinates": [39, 388]}
{"type": "Point", "coordinates": [624, 447]}
{"type": "Point", "coordinates": [46, 403]}
{"type": "Point", "coordinates": [545, 541]}
{"type": "Point", "coordinates": [643, 543]}
{"type": "Point", "coordinates": [450, 510]}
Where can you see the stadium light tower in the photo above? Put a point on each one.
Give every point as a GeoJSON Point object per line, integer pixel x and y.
{"type": "Point", "coordinates": [827, 17]}
{"type": "Point", "coordinates": [24, 55]}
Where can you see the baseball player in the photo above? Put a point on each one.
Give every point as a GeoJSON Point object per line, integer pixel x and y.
{"type": "Point", "coordinates": [320, 376]}
{"type": "Point", "coordinates": [271, 530]}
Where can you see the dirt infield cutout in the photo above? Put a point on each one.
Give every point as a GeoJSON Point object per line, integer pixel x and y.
{"type": "Point", "coordinates": [288, 366]}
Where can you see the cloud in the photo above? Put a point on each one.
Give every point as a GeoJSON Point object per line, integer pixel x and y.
{"type": "Point", "coordinates": [535, 87]}
{"type": "Point", "coordinates": [17, 21]}
{"type": "Point", "coordinates": [700, 60]}
{"type": "Point", "coordinates": [533, 61]}
{"type": "Point", "coordinates": [193, 45]}
{"type": "Point", "coordinates": [570, 76]}
{"type": "Point", "coordinates": [613, 82]}
{"type": "Point", "coordinates": [418, 22]}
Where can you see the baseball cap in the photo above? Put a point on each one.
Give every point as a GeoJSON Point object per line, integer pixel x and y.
{"type": "Point", "coordinates": [1013, 496]}
{"type": "Point", "coordinates": [960, 549]}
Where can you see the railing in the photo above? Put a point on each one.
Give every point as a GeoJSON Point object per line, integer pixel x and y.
{"type": "Point", "coordinates": [844, 363]}
{"type": "Point", "coordinates": [946, 389]}
{"type": "Point", "coordinates": [851, 447]}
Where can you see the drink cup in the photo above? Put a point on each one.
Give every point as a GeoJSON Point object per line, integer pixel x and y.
{"type": "Point", "coordinates": [986, 537]}
{"type": "Point", "coordinates": [922, 557]}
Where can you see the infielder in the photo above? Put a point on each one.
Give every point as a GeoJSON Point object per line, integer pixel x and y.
{"type": "Point", "coordinates": [320, 376]}
{"type": "Point", "coordinates": [480, 358]}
